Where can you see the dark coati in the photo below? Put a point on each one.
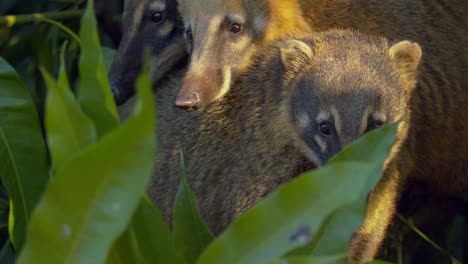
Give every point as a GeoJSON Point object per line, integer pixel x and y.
{"type": "Point", "coordinates": [268, 128]}
{"type": "Point", "coordinates": [147, 23]}
{"type": "Point", "coordinates": [222, 35]}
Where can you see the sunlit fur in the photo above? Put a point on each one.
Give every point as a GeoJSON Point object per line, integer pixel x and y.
{"type": "Point", "coordinates": [431, 149]}
{"type": "Point", "coordinates": [222, 56]}
{"type": "Point", "coordinates": [438, 26]}
{"type": "Point", "coordinates": [165, 42]}
{"type": "Point", "coordinates": [348, 81]}
{"type": "Point", "coordinates": [241, 148]}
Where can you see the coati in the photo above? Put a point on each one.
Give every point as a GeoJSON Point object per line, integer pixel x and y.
{"type": "Point", "coordinates": [279, 119]}
{"type": "Point", "coordinates": [223, 35]}
{"type": "Point", "coordinates": [431, 148]}
{"type": "Point", "coordinates": [147, 23]}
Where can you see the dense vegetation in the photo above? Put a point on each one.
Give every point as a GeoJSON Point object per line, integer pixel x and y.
{"type": "Point", "coordinates": [73, 189]}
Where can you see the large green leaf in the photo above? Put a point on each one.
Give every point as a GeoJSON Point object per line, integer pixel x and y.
{"type": "Point", "coordinates": [191, 234]}
{"type": "Point", "coordinates": [291, 216]}
{"type": "Point", "coordinates": [23, 157]}
{"type": "Point", "coordinates": [92, 197]}
{"type": "Point", "coordinates": [334, 234]}
{"type": "Point", "coordinates": [94, 93]}
{"type": "Point", "coordinates": [147, 239]}
{"type": "Point", "coordinates": [373, 147]}
{"type": "Point", "coordinates": [69, 131]}
{"type": "Point", "coordinates": [153, 236]}
{"type": "Point", "coordinates": [124, 250]}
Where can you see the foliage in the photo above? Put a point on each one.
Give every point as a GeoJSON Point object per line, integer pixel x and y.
{"type": "Point", "coordinates": [22, 151]}
{"type": "Point", "coordinates": [74, 177]}
{"type": "Point", "coordinates": [191, 234]}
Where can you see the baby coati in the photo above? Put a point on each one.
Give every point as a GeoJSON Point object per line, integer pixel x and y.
{"type": "Point", "coordinates": [300, 102]}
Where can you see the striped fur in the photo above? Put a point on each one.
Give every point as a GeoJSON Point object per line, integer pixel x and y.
{"type": "Point", "coordinates": [164, 41]}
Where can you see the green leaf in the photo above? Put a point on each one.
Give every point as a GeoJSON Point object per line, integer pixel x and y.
{"type": "Point", "coordinates": [94, 93]}
{"type": "Point", "coordinates": [372, 148]}
{"type": "Point", "coordinates": [152, 233]}
{"type": "Point", "coordinates": [191, 234]}
{"type": "Point", "coordinates": [335, 233]}
{"type": "Point", "coordinates": [293, 215]}
{"type": "Point", "coordinates": [332, 259]}
{"type": "Point", "coordinates": [92, 197]}
{"type": "Point", "coordinates": [124, 250]}
{"type": "Point", "coordinates": [148, 237]}
{"type": "Point", "coordinates": [23, 156]}
{"type": "Point", "coordinates": [289, 217]}
{"type": "Point", "coordinates": [69, 131]}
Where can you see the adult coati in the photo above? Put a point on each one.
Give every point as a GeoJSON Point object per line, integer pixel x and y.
{"type": "Point", "coordinates": [223, 35]}
{"type": "Point", "coordinates": [147, 23]}
{"type": "Point", "coordinates": [267, 129]}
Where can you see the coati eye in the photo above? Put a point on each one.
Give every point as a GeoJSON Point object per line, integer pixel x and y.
{"type": "Point", "coordinates": [325, 128]}
{"type": "Point", "coordinates": [157, 16]}
{"type": "Point", "coordinates": [235, 28]}
{"type": "Point", "coordinates": [374, 124]}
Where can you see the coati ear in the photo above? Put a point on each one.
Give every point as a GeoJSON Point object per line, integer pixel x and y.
{"type": "Point", "coordinates": [294, 54]}
{"type": "Point", "coordinates": [406, 55]}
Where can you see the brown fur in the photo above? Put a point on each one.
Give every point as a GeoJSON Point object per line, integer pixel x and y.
{"type": "Point", "coordinates": [225, 59]}
{"type": "Point", "coordinates": [230, 160]}
{"type": "Point", "coordinates": [440, 27]}
{"type": "Point", "coordinates": [237, 151]}
{"type": "Point", "coordinates": [436, 149]}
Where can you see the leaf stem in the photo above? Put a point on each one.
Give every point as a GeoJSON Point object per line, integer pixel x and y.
{"type": "Point", "coordinates": [428, 240]}
{"type": "Point", "coordinates": [12, 20]}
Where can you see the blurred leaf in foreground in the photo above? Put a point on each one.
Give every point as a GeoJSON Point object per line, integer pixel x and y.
{"type": "Point", "coordinates": [23, 156]}
{"type": "Point", "coordinates": [191, 234]}
{"type": "Point", "coordinates": [94, 93]}
{"type": "Point", "coordinates": [93, 196]}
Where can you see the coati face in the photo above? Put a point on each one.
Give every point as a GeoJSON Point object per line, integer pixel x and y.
{"type": "Point", "coordinates": [221, 37]}
{"type": "Point", "coordinates": [343, 87]}
{"type": "Point", "coordinates": [146, 23]}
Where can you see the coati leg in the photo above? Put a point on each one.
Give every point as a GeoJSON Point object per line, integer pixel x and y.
{"type": "Point", "coordinates": [381, 208]}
